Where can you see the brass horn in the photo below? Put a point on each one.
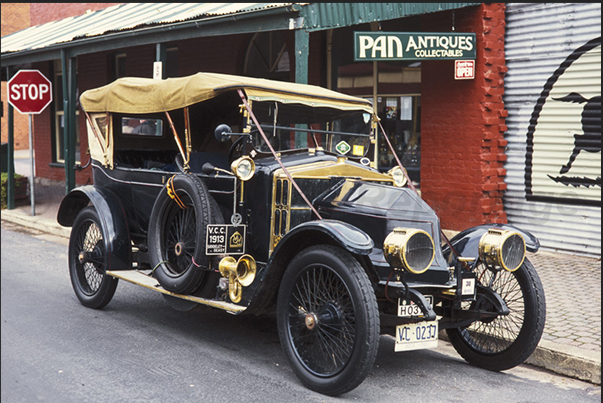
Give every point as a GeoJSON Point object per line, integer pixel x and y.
{"type": "Point", "coordinates": [240, 273]}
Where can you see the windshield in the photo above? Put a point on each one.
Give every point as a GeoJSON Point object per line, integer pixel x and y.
{"type": "Point", "coordinates": [295, 126]}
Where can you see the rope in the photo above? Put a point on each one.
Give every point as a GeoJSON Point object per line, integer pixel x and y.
{"type": "Point", "coordinates": [276, 157]}
{"type": "Point", "coordinates": [171, 191]}
{"type": "Point", "coordinates": [155, 268]}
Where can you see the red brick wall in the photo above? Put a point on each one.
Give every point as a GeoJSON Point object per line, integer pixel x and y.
{"type": "Point", "coordinates": [463, 124]}
{"type": "Point", "coordinates": [15, 17]}
{"type": "Point", "coordinates": [42, 13]}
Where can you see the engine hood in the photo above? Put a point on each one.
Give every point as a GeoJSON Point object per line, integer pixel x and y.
{"type": "Point", "coordinates": [377, 209]}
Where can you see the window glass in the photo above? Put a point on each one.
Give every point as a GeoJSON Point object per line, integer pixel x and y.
{"type": "Point", "coordinates": [142, 126]}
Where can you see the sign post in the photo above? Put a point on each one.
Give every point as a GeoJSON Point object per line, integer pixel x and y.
{"type": "Point", "coordinates": [30, 92]}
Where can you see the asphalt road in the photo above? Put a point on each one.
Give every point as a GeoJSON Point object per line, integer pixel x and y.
{"type": "Point", "coordinates": [138, 349]}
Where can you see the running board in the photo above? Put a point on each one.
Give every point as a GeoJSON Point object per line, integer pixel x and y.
{"type": "Point", "coordinates": [138, 278]}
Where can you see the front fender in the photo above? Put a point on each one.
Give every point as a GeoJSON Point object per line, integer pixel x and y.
{"type": "Point", "coordinates": [345, 235]}
{"type": "Point", "coordinates": [310, 233]}
{"type": "Point", "coordinates": [466, 243]}
{"type": "Point", "coordinates": [113, 222]}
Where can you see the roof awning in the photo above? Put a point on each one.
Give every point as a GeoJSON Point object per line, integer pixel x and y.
{"type": "Point", "coordinates": [135, 24]}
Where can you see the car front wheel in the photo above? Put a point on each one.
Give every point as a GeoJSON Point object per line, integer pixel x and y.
{"type": "Point", "coordinates": [328, 319]}
{"type": "Point", "coordinates": [506, 341]}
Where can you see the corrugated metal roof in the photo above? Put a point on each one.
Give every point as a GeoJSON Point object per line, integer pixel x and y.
{"type": "Point", "coordinates": [122, 17]}
{"type": "Point", "coordinates": [334, 15]}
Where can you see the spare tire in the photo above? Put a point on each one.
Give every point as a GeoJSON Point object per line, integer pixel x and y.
{"type": "Point", "coordinates": [177, 233]}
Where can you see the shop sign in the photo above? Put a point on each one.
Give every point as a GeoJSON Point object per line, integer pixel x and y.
{"type": "Point", "coordinates": [370, 46]}
{"type": "Point", "coordinates": [464, 69]}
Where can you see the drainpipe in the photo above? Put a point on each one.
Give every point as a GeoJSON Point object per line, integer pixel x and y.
{"type": "Point", "coordinates": [160, 65]}
{"type": "Point", "coordinates": [68, 65]}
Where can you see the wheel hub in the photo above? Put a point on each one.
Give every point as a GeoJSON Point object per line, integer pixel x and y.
{"type": "Point", "coordinates": [328, 314]}
{"type": "Point", "coordinates": [179, 248]}
{"type": "Point", "coordinates": [81, 257]}
{"type": "Point", "coordinates": [311, 321]}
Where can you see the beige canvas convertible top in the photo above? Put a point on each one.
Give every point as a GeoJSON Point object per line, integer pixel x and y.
{"type": "Point", "coordinates": [145, 95]}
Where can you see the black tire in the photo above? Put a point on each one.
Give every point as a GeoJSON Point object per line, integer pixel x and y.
{"type": "Point", "coordinates": [506, 341]}
{"type": "Point", "coordinates": [326, 304]}
{"type": "Point", "coordinates": [177, 235]}
{"type": "Point", "coordinates": [88, 261]}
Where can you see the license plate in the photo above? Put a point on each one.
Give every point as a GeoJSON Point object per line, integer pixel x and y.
{"type": "Point", "coordinates": [407, 308]}
{"type": "Point", "coordinates": [416, 336]}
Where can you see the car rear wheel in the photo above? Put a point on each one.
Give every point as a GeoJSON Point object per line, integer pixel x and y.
{"type": "Point", "coordinates": [88, 261]}
{"type": "Point", "coordinates": [505, 341]}
{"type": "Point", "coordinates": [328, 319]}
{"type": "Point", "coordinates": [177, 232]}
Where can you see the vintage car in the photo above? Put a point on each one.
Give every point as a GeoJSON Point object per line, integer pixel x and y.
{"type": "Point", "coordinates": [252, 196]}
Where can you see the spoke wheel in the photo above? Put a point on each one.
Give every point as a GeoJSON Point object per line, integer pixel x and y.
{"type": "Point", "coordinates": [328, 320]}
{"type": "Point", "coordinates": [177, 234]}
{"type": "Point", "coordinates": [87, 261]}
{"type": "Point", "coordinates": [505, 341]}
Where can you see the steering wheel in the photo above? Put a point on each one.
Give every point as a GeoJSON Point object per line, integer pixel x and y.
{"type": "Point", "coordinates": [236, 149]}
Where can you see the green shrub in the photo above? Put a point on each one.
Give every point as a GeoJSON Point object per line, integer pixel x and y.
{"type": "Point", "coordinates": [4, 180]}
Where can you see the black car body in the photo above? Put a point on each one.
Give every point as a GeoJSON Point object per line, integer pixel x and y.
{"type": "Point", "coordinates": [247, 194]}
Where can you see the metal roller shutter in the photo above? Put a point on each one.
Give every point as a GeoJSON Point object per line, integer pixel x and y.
{"type": "Point", "coordinates": [553, 96]}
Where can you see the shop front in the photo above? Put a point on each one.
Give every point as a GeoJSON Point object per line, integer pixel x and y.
{"type": "Point", "coordinates": [400, 56]}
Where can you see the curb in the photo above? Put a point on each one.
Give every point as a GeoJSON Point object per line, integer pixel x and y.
{"type": "Point", "coordinates": [565, 360]}
{"type": "Point", "coordinates": [36, 223]}
{"type": "Point", "coordinates": [569, 361]}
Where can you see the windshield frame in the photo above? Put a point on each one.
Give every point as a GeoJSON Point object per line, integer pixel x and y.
{"type": "Point", "coordinates": [315, 130]}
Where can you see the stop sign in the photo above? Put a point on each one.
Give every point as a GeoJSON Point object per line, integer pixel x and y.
{"type": "Point", "coordinates": [29, 91]}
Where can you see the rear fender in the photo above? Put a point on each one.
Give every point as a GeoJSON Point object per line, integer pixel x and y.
{"type": "Point", "coordinates": [466, 243]}
{"type": "Point", "coordinates": [113, 221]}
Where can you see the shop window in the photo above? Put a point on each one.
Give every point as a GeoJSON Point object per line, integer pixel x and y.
{"type": "Point", "coordinates": [400, 118]}
{"type": "Point", "coordinates": [399, 108]}
{"type": "Point", "coordinates": [59, 119]}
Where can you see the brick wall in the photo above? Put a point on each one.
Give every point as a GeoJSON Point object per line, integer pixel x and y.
{"type": "Point", "coordinates": [463, 124]}
{"type": "Point", "coordinates": [42, 13]}
{"type": "Point", "coordinates": [15, 17]}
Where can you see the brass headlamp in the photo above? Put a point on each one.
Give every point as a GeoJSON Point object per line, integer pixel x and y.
{"type": "Point", "coordinates": [502, 248]}
{"type": "Point", "coordinates": [409, 248]}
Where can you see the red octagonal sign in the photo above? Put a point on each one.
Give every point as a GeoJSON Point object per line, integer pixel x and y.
{"type": "Point", "coordinates": [29, 91]}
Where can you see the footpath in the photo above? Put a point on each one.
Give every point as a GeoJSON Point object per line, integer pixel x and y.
{"type": "Point", "coordinates": [570, 345]}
